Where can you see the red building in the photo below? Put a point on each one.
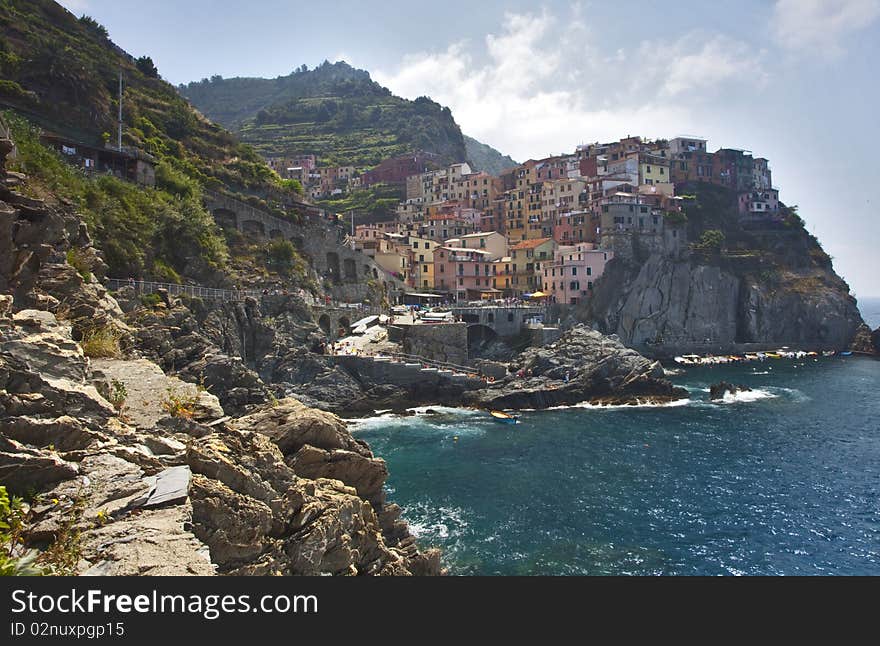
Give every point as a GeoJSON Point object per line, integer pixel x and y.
{"type": "Point", "coordinates": [396, 169]}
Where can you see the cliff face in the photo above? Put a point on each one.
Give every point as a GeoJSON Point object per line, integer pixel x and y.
{"type": "Point", "coordinates": [772, 286]}
{"type": "Point", "coordinates": [681, 303]}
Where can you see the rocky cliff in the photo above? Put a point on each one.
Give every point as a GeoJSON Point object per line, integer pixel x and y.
{"type": "Point", "coordinates": [769, 286]}
{"type": "Point", "coordinates": [131, 471]}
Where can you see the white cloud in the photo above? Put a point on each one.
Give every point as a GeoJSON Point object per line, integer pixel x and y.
{"type": "Point", "coordinates": [818, 26]}
{"type": "Point", "coordinates": [543, 84]}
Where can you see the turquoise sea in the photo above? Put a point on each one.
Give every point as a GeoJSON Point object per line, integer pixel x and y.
{"type": "Point", "coordinates": [782, 480]}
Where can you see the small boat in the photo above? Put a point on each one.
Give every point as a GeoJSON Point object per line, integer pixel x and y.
{"type": "Point", "coordinates": [846, 354]}
{"type": "Point", "coordinates": [504, 418]}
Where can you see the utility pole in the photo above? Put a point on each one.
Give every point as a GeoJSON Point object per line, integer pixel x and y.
{"type": "Point", "coordinates": [119, 136]}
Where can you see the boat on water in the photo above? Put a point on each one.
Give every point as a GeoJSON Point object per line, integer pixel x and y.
{"type": "Point", "coordinates": [504, 418]}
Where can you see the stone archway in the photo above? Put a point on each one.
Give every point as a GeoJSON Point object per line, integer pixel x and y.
{"type": "Point", "coordinates": [324, 323]}
{"type": "Point", "coordinates": [253, 227]}
{"type": "Point", "coordinates": [225, 218]}
{"type": "Point", "coordinates": [479, 335]}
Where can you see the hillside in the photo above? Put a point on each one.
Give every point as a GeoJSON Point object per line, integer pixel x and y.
{"type": "Point", "coordinates": [61, 76]}
{"type": "Point", "coordinates": [485, 158]}
{"type": "Point", "coordinates": [333, 111]}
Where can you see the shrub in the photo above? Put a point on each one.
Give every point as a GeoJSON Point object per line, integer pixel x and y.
{"type": "Point", "coordinates": [116, 393]}
{"type": "Point", "coordinates": [14, 559]}
{"type": "Point", "coordinates": [151, 300]}
{"type": "Point", "coordinates": [712, 239]}
{"type": "Point", "coordinates": [102, 342]}
{"type": "Point", "coordinates": [163, 272]}
{"type": "Point", "coordinates": [79, 260]}
{"type": "Point", "coordinates": [179, 404]}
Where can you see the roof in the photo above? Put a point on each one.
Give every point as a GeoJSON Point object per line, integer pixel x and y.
{"type": "Point", "coordinates": [479, 251]}
{"type": "Point", "coordinates": [480, 235]}
{"type": "Point", "coordinates": [531, 244]}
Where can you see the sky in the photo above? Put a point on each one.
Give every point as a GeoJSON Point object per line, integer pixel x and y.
{"type": "Point", "coordinates": [790, 80]}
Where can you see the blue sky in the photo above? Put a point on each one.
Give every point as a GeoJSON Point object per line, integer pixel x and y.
{"type": "Point", "coordinates": [790, 80]}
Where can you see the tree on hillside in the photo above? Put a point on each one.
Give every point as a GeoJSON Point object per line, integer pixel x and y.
{"type": "Point", "coordinates": [147, 67]}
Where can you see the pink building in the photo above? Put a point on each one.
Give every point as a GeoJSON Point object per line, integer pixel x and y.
{"type": "Point", "coordinates": [464, 273]}
{"type": "Point", "coordinates": [569, 279]}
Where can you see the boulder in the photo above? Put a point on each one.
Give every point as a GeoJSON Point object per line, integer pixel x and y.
{"type": "Point", "coordinates": [291, 425]}
{"type": "Point", "coordinates": [719, 390]}
{"type": "Point", "coordinates": [367, 475]}
{"type": "Point", "coordinates": [583, 365]}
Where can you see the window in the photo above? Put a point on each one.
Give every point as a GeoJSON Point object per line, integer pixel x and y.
{"type": "Point", "coordinates": [461, 281]}
{"type": "Point", "coordinates": [415, 245]}
{"type": "Point", "coordinates": [589, 271]}
{"type": "Point", "coordinates": [574, 271]}
{"type": "Point", "coordinates": [421, 257]}
{"type": "Point", "coordinates": [425, 269]}
{"type": "Point", "coordinates": [590, 285]}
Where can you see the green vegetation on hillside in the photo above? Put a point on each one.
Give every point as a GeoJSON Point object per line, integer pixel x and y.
{"type": "Point", "coordinates": [157, 232]}
{"type": "Point", "coordinates": [63, 74]}
{"type": "Point", "coordinates": [334, 111]}
{"type": "Point", "coordinates": [485, 158]}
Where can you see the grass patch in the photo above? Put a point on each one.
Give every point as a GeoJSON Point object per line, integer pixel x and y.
{"type": "Point", "coordinates": [102, 343]}
{"type": "Point", "coordinates": [79, 260]}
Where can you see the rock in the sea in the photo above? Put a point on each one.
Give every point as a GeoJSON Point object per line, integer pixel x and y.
{"type": "Point", "coordinates": [717, 391]}
{"type": "Point", "coordinates": [583, 365]}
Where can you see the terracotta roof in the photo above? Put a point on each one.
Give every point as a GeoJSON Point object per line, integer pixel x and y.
{"type": "Point", "coordinates": [530, 244]}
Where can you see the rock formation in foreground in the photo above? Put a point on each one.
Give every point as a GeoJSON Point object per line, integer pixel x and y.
{"type": "Point", "coordinates": [582, 366]}
{"type": "Point", "coordinates": [131, 471]}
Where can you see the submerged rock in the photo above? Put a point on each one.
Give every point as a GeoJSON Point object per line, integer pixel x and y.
{"type": "Point", "coordinates": [717, 391]}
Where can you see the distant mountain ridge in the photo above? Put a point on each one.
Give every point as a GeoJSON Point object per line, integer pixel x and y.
{"type": "Point", "coordinates": [334, 111]}
{"type": "Point", "coordinates": [485, 158]}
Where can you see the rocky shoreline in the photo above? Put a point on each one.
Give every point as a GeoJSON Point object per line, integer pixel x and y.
{"type": "Point", "coordinates": [139, 472]}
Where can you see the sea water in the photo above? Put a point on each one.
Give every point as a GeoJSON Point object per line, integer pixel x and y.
{"type": "Point", "coordinates": [870, 310]}
{"type": "Point", "coordinates": [784, 479]}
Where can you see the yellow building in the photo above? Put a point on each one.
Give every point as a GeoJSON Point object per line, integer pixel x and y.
{"type": "Point", "coordinates": [527, 259]}
{"type": "Point", "coordinates": [421, 261]}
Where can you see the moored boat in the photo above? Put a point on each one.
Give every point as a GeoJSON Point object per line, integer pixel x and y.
{"type": "Point", "coordinates": [504, 418]}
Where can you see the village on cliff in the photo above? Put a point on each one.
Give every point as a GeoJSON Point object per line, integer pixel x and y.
{"type": "Point", "coordinates": [542, 230]}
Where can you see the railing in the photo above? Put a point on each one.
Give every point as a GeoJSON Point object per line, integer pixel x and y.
{"type": "Point", "coordinates": [195, 291]}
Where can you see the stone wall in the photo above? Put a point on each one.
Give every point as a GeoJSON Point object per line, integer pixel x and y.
{"type": "Point", "coordinates": [438, 342]}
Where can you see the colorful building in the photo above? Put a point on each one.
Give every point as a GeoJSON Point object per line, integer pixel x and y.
{"type": "Point", "coordinates": [569, 278]}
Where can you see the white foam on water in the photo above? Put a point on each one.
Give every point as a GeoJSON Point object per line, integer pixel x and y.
{"type": "Point", "coordinates": [741, 396]}
{"type": "Point", "coordinates": [441, 522]}
{"type": "Point", "coordinates": [638, 404]}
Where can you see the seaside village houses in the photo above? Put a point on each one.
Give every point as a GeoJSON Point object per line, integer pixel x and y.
{"type": "Point", "coordinates": [545, 229]}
